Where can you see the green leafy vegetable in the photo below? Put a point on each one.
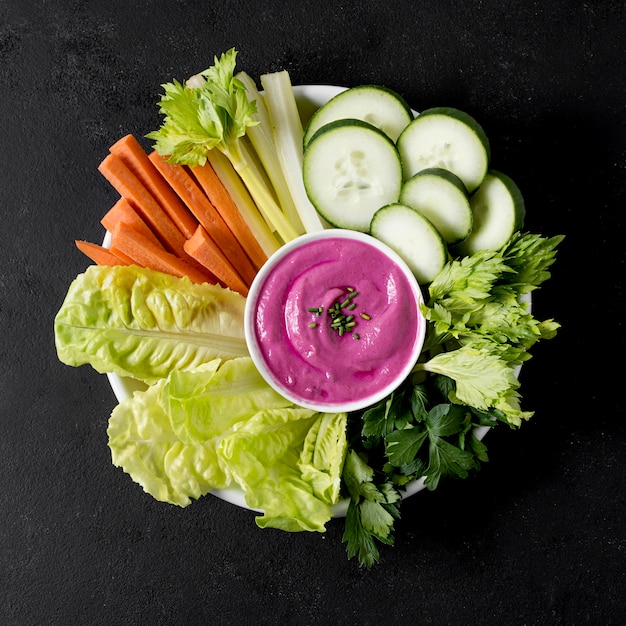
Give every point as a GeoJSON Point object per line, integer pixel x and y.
{"type": "Point", "coordinates": [371, 512]}
{"type": "Point", "coordinates": [481, 378]}
{"type": "Point", "coordinates": [322, 457]}
{"type": "Point", "coordinates": [144, 444]}
{"type": "Point", "coordinates": [204, 403]}
{"type": "Point", "coordinates": [530, 256]}
{"type": "Point", "coordinates": [271, 459]}
{"type": "Point", "coordinates": [479, 328]}
{"type": "Point", "coordinates": [221, 425]}
{"type": "Point", "coordinates": [144, 324]}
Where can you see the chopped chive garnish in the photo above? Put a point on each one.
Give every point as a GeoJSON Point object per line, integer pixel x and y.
{"type": "Point", "coordinates": [339, 322]}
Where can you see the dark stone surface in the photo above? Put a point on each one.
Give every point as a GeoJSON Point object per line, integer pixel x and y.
{"type": "Point", "coordinates": [537, 537]}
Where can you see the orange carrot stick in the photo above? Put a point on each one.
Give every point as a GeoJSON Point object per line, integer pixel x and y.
{"type": "Point", "coordinates": [122, 211]}
{"type": "Point", "coordinates": [99, 254]}
{"type": "Point", "coordinates": [202, 248]}
{"type": "Point", "coordinates": [144, 253]}
{"type": "Point", "coordinates": [222, 201]}
{"type": "Point", "coordinates": [192, 195]}
{"type": "Point", "coordinates": [130, 187]}
{"type": "Point", "coordinates": [136, 159]}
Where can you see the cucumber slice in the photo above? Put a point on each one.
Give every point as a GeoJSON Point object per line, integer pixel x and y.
{"type": "Point", "coordinates": [413, 237]}
{"type": "Point", "coordinates": [350, 170]}
{"type": "Point", "coordinates": [440, 196]}
{"type": "Point", "coordinates": [377, 105]}
{"type": "Point", "coordinates": [499, 211]}
{"type": "Point", "coordinates": [447, 138]}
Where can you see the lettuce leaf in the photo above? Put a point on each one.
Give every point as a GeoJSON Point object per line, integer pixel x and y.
{"type": "Point", "coordinates": [144, 444]}
{"type": "Point", "coordinates": [221, 425]}
{"type": "Point", "coordinates": [323, 455]}
{"type": "Point", "coordinates": [206, 402]}
{"type": "Point", "coordinates": [144, 324]}
{"type": "Point", "coordinates": [263, 455]}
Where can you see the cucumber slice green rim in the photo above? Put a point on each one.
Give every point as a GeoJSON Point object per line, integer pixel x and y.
{"type": "Point", "coordinates": [351, 169]}
{"type": "Point", "coordinates": [380, 106]}
{"type": "Point", "coordinates": [413, 237]}
{"type": "Point", "coordinates": [499, 211]}
{"type": "Point", "coordinates": [440, 196]}
{"type": "Point", "coordinates": [448, 138]}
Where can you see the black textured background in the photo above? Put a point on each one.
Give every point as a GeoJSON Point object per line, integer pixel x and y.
{"type": "Point", "coordinates": [537, 537]}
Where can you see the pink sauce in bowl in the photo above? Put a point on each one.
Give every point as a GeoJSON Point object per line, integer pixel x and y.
{"type": "Point", "coordinates": [333, 322]}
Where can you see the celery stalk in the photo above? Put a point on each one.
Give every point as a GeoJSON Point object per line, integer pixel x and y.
{"type": "Point", "coordinates": [243, 201]}
{"type": "Point", "coordinates": [261, 138]}
{"type": "Point", "coordinates": [288, 134]}
{"type": "Point", "coordinates": [211, 110]}
{"type": "Point", "coordinates": [265, 201]}
{"type": "Point", "coordinates": [251, 156]}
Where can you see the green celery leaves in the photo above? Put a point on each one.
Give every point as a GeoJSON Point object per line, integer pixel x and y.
{"type": "Point", "coordinates": [480, 328]}
{"type": "Point", "coordinates": [211, 110]}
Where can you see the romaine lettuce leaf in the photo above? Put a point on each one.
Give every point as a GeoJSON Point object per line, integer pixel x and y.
{"type": "Point", "coordinates": [144, 324]}
{"type": "Point", "coordinates": [145, 446]}
{"type": "Point", "coordinates": [221, 425]}
{"type": "Point", "coordinates": [206, 402]}
{"type": "Point", "coordinates": [265, 455]}
{"type": "Point", "coordinates": [323, 454]}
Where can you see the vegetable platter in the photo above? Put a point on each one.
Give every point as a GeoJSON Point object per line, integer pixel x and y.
{"type": "Point", "coordinates": [236, 171]}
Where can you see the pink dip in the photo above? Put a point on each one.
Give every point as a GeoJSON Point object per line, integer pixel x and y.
{"type": "Point", "coordinates": [317, 364]}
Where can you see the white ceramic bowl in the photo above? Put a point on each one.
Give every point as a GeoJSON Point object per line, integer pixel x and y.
{"type": "Point", "coordinates": [317, 368]}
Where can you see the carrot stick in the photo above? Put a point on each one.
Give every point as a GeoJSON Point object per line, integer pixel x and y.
{"type": "Point", "coordinates": [122, 211]}
{"type": "Point", "coordinates": [192, 195]}
{"type": "Point", "coordinates": [130, 151]}
{"type": "Point", "coordinates": [99, 254]}
{"type": "Point", "coordinates": [130, 187]}
{"type": "Point", "coordinates": [222, 201]}
{"type": "Point", "coordinates": [202, 248]}
{"type": "Point", "coordinates": [144, 253]}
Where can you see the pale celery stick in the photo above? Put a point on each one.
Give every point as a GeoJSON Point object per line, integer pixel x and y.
{"type": "Point", "coordinates": [263, 142]}
{"type": "Point", "coordinates": [288, 133]}
{"type": "Point", "coordinates": [267, 239]}
{"type": "Point", "coordinates": [263, 193]}
{"type": "Point", "coordinates": [252, 158]}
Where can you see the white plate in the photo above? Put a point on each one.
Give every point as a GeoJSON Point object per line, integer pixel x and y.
{"type": "Point", "coordinates": [309, 98]}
